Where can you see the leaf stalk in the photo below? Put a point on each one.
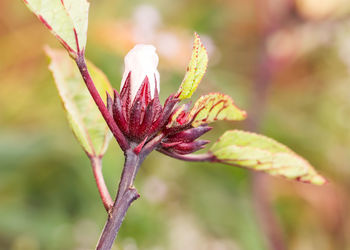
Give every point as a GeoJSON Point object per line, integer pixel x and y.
{"type": "Point", "coordinates": [122, 141]}
{"type": "Point", "coordinates": [96, 164]}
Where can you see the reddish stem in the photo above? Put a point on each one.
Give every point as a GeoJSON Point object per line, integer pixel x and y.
{"type": "Point", "coordinates": [80, 60]}
{"type": "Point", "coordinates": [96, 163]}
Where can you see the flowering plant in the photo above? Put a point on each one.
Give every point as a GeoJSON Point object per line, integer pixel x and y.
{"type": "Point", "coordinates": [138, 121]}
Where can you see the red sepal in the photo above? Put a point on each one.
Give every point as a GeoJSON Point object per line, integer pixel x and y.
{"type": "Point", "coordinates": [188, 135]}
{"type": "Point", "coordinates": [139, 147]}
{"type": "Point", "coordinates": [146, 124]}
{"type": "Point", "coordinates": [118, 114]}
{"type": "Point", "coordinates": [135, 119]}
{"type": "Point", "coordinates": [125, 96]}
{"type": "Point", "coordinates": [170, 144]}
{"type": "Point", "coordinates": [189, 147]}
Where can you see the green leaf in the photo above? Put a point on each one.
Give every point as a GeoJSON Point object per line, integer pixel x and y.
{"type": "Point", "coordinates": [213, 107]}
{"type": "Point", "coordinates": [83, 115]}
{"type": "Point", "coordinates": [261, 153]}
{"type": "Point", "coordinates": [195, 69]}
{"type": "Point", "coordinates": [66, 19]}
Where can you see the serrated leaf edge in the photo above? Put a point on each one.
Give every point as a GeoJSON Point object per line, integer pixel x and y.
{"type": "Point", "coordinates": [195, 53]}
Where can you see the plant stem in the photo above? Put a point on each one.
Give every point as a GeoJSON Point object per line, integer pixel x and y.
{"type": "Point", "coordinates": [131, 165]}
{"type": "Point", "coordinates": [115, 220]}
{"type": "Point", "coordinates": [126, 192]}
{"type": "Point", "coordinates": [125, 196]}
{"type": "Point", "coordinates": [80, 61]}
{"type": "Point", "coordinates": [96, 163]}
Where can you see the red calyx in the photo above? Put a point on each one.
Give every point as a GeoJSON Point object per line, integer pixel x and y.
{"type": "Point", "coordinates": [189, 147]}
{"type": "Point", "coordinates": [142, 118]}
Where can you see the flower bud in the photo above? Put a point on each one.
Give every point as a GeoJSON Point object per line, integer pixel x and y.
{"type": "Point", "coordinates": [141, 62]}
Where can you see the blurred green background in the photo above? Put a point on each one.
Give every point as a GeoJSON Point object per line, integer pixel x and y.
{"type": "Point", "coordinates": [286, 62]}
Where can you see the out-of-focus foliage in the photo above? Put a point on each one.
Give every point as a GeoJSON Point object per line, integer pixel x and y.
{"type": "Point", "coordinates": [85, 119]}
{"type": "Point", "coordinates": [48, 199]}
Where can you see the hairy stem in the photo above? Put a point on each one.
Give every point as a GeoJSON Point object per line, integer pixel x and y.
{"type": "Point", "coordinates": [125, 196]}
{"type": "Point", "coordinates": [115, 220]}
{"type": "Point", "coordinates": [96, 163]}
{"type": "Point", "coordinates": [131, 165]}
{"type": "Point", "coordinates": [80, 61]}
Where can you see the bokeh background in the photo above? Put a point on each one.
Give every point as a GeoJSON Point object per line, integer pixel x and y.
{"type": "Point", "coordinates": [286, 62]}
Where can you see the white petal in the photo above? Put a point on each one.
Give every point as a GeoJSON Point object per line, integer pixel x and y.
{"type": "Point", "coordinates": [141, 61]}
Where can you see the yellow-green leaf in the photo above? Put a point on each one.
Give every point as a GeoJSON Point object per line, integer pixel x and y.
{"type": "Point", "coordinates": [261, 153]}
{"type": "Point", "coordinates": [195, 69]}
{"type": "Point", "coordinates": [66, 19]}
{"type": "Point", "coordinates": [213, 107]}
{"type": "Point", "coordinates": [83, 115]}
